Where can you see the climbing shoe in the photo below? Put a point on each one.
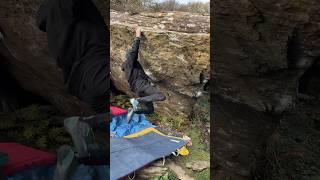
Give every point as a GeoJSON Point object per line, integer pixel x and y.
{"type": "Point", "coordinates": [129, 115]}
{"type": "Point", "coordinates": [134, 102]}
{"type": "Point", "coordinates": [66, 163]}
{"type": "Point", "coordinates": [82, 136]}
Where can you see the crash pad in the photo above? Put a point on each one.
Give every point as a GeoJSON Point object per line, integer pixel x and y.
{"type": "Point", "coordinates": [119, 127]}
{"type": "Point", "coordinates": [130, 154]}
{"type": "Point", "coordinates": [115, 111]}
{"type": "Point", "coordinates": [23, 157]}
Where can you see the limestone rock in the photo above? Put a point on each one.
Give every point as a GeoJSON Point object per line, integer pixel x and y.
{"type": "Point", "coordinates": [173, 57]}
{"type": "Point", "coordinates": [179, 171]}
{"type": "Point", "coordinates": [198, 165]}
{"type": "Point", "coordinates": [170, 21]}
{"type": "Point", "coordinates": [239, 135]}
{"type": "Point", "coordinates": [258, 47]}
{"type": "Point", "coordinates": [294, 145]}
{"type": "Point", "coordinates": [262, 48]}
{"type": "Point", "coordinates": [154, 170]}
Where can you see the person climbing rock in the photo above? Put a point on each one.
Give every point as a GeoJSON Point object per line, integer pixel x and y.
{"type": "Point", "coordinates": [139, 81]}
{"type": "Point", "coordinates": [78, 39]}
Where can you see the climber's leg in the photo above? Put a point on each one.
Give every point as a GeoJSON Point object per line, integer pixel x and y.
{"type": "Point", "coordinates": [144, 104]}
{"type": "Point", "coordinates": [66, 163]}
{"type": "Point", "coordinates": [96, 89]}
{"type": "Point", "coordinates": [78, 40]}
{"type": "Point", "coordinates": [85, 133]}
{"type": "Point", "coordinates": [150, 94]}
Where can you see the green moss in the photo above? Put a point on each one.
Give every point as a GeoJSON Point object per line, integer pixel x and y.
{"type": "Point", "coordinates": [7, 121]}
{"type": "Point", "coordinates": [42, 142]}
{"type": "Point", "coordinates": [197, 150]}
{"type": "Point", "coordinates": [34, 126]}
{"type": "Point", "coordinates": [42, 125]}
{"type": "Point", "coordinates": [197, 153]}
{"type": "Point", "coordinates": [170, 175]}
{"type": "Point", "coordinates": [59, 135]}
{"type": "Point", "coordinates": [121, 101]}
{"type": "Point", "coordinates": [201, 110]}
{"type": "Point", "coordinates": [205, 174]}
{"type": "Point", "coordinates": [29, 133]}
{"type": "Point", "coordinates": [31, 113]}
{"type": "Point", "coordinates": [177, 123]}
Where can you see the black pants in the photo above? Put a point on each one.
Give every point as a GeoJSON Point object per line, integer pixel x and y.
{"type": "Point", "coordinates": [150, 94]}
{"type": "Point", "coordinates": [78, 39]}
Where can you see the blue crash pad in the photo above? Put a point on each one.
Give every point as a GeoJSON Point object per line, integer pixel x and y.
{"type": "Point", "coordinates": [129, 155]}
{"type": "Point", "coordinates": [120, 128]}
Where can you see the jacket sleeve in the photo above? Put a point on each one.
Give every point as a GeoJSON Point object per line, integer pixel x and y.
{"type": "Point", "coordinates": [135, 49]}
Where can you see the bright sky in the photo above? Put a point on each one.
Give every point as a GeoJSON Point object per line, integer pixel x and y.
{"type": "Point", "coordinates": [186, 1]}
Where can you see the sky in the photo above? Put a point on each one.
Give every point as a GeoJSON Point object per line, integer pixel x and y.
{"type": "Point", "coordinates": [186, 1]}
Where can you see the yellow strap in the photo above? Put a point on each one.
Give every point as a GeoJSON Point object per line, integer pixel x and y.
{"type": "Point", "coordinates": [182, 151]}
{"type": "Point", "coordinates": [143, 132]}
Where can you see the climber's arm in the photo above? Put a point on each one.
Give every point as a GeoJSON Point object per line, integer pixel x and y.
{"type": "Point", "coordinates": [133, 53]}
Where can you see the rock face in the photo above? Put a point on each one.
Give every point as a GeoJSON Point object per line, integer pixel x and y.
{"type": "Point", "coordinates": [25, 54]}
{"type": "Point", "coordinates": [174, 53]}
{"type": "Point", "coordinates": [294, 145]}
{"type": "Point", "coordinates": [262, 48]}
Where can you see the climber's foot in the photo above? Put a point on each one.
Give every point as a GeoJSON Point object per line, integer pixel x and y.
{"type": "Point", "coordinates": [134, 102]}
{"type": "Point", "coordinates": [66, 163]}
{"type": "Point", "coordinates": [130, 114]}
{"type": "Point", "coordinates": [82, 136]}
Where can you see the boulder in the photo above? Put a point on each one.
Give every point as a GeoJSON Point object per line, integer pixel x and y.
{"type": "Point", "coordinates": [262, 48]}
{"type": "Point", "coordinates": [174, 52]}
{"type": "Point", "coordinates": [198, 165]}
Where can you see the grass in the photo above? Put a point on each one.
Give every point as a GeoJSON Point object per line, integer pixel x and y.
{"type": "Point", "coordinates": [197, 153]}
{"type": "Point", "coordinates": [177, 124]}
{"type": "Point", "coordinates": [205, 174]}
{"type": "Point", "coordinates": [35, 126]}
{"type": "Point", "coordinates": [170, 175]}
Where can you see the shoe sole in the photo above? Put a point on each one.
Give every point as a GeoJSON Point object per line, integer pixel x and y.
{"type": "Point", "coordinates": [78, 139]}
{"type": "Point", "coordinates": [64, 172]}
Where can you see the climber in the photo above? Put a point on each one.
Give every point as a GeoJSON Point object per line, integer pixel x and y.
{"type": "Point", "coordinates": [139, 82]}
{"type": "Point", "coordinates": [78, 39]}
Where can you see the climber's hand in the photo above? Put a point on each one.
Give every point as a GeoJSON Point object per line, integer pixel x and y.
{"type": "Point", "coordinates": [138, 32]}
